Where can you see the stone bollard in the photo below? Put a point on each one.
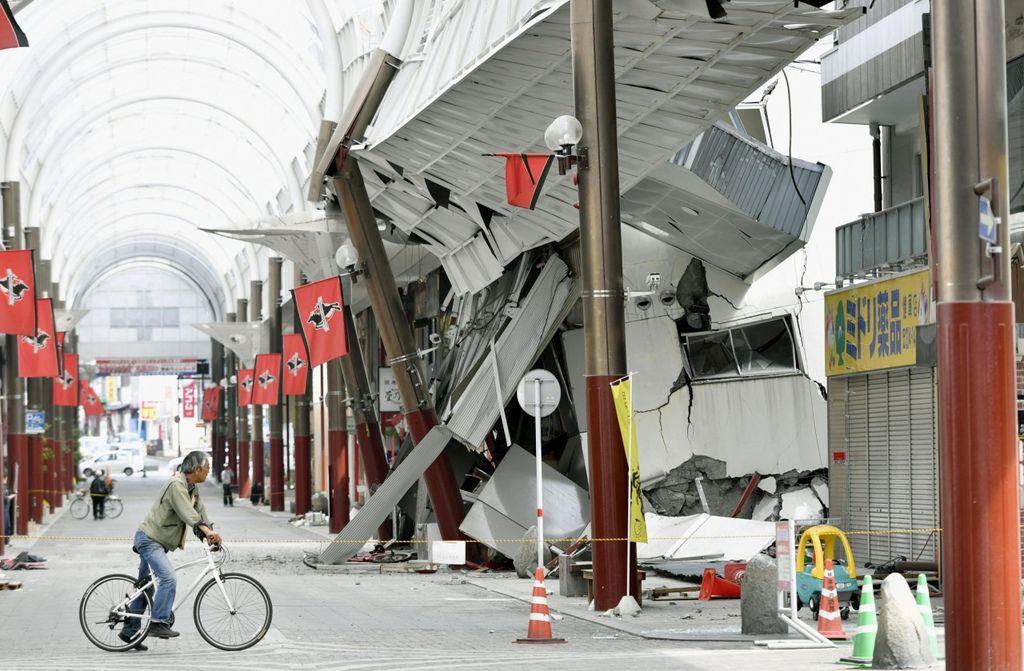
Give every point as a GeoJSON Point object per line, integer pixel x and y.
{"type": "Point", "coordinates": [902, 641]}
{"type": "Point", "coordinates": [758, 598]}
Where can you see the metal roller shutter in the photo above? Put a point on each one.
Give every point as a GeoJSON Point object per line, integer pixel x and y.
{"type": "Point", "coordinates": [885, 424]}
{"type": "Point", "coordinates": [924, 462]}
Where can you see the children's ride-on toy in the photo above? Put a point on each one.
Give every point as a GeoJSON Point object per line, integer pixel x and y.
{"type": "Point", "coordinates": [817, 544]}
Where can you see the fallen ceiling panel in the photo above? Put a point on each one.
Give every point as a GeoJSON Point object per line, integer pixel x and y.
{"type": "Point", "coordinates": [704, 535]}
{"type": "Point", "coordinates": [512, 506]}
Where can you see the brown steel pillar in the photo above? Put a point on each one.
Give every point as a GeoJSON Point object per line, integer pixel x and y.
{"type": "Point", "coordinates": [256, 444]}
{"type": "Point", "coordinates": [229, 409]}
{"type": "Point", "coordinates": [216, 432]}
{"type": "Point", "coordinates": [14, 386]}
{"type": "Point", "coordinates": [276, 414]}
{"type": "Point", "coordinates": [396, 333]}
{"type": "Point", "coordinates": [364, 414]}
{"type": "Point", "coordinates": [36, 479]}
{"type": "Point", "coordinates": [603, 320]}
{"type": "Point", "coordinates": [337, 447]}
{"type": "Point", "coordinates": [56, 461]}
{"type": "Point", "coordinates": [243, 422]}
{"type": "Point", "coordinates": [976, 369]}
{"type": "Point", "coordinates": [303, 439]}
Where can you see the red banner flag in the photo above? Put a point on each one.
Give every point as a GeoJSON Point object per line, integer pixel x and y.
{"type": "Point", "coordinates": [65, 387]}
{"type": "Point", "coordinates": [323, 324]}
{"type": "Point", "coordinates": [245, 383]}
{"type": "Point", "coordinates": [188, 401]}
{"type": "Point", "coordinates": [37, 355]}
{"type": "Point", "coordinates": [89, 400]}
{"type": "Point", "coordinates": [296, 365]}
{"type": "Point", "coordinates": [17, 293]}
{"type": "Point", "coordinates": [211, 403]}
{"type": "Point", "coordinates": [268, 379]}
{"type": "Point", "coordinates": [11, 35]}
{"type": "Point", "coordinates": [524, 176]}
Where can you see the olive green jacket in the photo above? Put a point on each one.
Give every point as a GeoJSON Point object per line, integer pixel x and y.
{"type": "Point", "coordinates": [173, 511]}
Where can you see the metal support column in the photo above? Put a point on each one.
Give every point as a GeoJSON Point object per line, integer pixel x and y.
{"type": "Point", "coordinates": [36, 487]}
{"type": "Point", "coordinates": [276, 414]}
{"type": "Point", "coordinates": [243, 421]}
{"type": "Point", "coordinates": [55, 464]}
{"type": "Point", "coordinates": [256, 444]}
{"type": "Point", "coordinates": [14, 386]}
{"type": "Point", "coordinates": [303, 439]}
{"type": "Point", "coordinates": [976, 369]}
{"type": "Point", "coordinates": [395, 331]}
{"type": "Point", "coordinates": [216, 425]}
{"type": "Point", "coordinates": [364, 415]}
{"type": "Point", "coordinates": [604, 323]}
{"type": "Point", "coordinates": [229, 409]}
{"type": "Point", "coordinates": [337, 447]}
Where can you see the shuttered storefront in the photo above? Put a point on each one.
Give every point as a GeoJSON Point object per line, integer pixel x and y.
{"type": "Point", "coordinates": [884, 467]}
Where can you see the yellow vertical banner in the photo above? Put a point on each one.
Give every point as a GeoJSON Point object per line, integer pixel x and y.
{"type": "Point", "coordinates": [623, 397]}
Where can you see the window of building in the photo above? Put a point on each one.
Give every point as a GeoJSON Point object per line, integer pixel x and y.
{"type": "Point", "coordinates": [750, 350]}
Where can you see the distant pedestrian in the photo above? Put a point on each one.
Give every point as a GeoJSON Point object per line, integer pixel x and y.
{"type": "Point", "coordinates": [98, 492]}
{"type": "Point", "coordinates": [227, 478]}
{"type": "Point", "coordinates": [8, 503]}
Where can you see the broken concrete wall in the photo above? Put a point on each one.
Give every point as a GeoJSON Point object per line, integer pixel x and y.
{"type": "Point", "coordinates": [783, 495]}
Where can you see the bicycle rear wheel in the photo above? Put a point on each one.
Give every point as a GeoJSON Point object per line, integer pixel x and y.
{"type": "Point", "coordinates": [80, 508]}
{"type": "Point", "coordinates": [103, 612]}
{"type": "Point", "coordinates": [236, 629]}
{"type": "Point", "coordinates": [113, 508]}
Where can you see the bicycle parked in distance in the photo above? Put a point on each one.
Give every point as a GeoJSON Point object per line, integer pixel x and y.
{"type": "Point", "coordinates": [232, 611]}
{"type": "Point", "coordinates": [82, 505]}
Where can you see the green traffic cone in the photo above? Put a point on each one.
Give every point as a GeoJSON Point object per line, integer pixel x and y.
{"type": "Point", "coordinates": [867, 627]}
{"type": "Point", "coordinates": [924, 604]}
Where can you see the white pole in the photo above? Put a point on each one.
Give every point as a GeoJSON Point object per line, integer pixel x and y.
{"type": "Point", "coordinates": [540, 490]}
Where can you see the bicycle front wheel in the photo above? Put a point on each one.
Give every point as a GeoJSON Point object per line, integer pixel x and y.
{"type": "Point", "coordinates": [104, 611]}
{"type": "Point", "coordinates": [113, 508]}
{"type": "Point", "coordinates": [238, 623]}
{"type": "Point", "coordinates": [80, 508]}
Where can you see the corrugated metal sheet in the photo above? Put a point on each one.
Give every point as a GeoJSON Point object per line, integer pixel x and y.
{"type": "Point", "coordinates": [528, 332]}
{"type": "Point", "coordinates": [882, 239]}
{"type": "Point", "coordinates": [676, 75]}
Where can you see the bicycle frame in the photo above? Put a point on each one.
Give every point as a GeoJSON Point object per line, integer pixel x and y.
{"type": "Point", "coordinates": [212, 566]}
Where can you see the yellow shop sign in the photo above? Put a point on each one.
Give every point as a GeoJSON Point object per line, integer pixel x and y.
{"type": "Point", "coordinates": [874, 326]}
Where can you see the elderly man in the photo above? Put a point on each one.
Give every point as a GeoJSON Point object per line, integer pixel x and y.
{"type": "Point", "coordinates": [177, 508]}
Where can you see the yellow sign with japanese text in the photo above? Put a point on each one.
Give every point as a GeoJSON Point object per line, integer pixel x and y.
{"type": "Point", "coordinates": [874, 326]}
{"type": "Point", "coordinates": [623, 397]}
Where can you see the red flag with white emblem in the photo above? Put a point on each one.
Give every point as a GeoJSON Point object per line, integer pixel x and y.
{"type": "Point", "coordinates": [211, 403]}
{"type": "Point", "coordinates": [323, 324]}
{"type": "Point", "coordinates": [89, 400]}
{"type": "Point", "coordinates": [524, 177]}
{"type": "Point", "coordinates": [17, 293]}
{"type": "Point", "coordinates": [296, 365]}
{"type": "Point", "coordinates": [37, 355]}
{"type": "Point", "coordinates": [268, 379]}
{"type": "Point", "coordinates": [11, 35]}
{"type": "Point", "coordinates": [65, 387]}
{"type": "Point", "coordinates": [246, 380]}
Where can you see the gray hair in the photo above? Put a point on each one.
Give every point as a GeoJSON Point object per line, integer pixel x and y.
{"type": "Point", "coordinates": [193, 461]}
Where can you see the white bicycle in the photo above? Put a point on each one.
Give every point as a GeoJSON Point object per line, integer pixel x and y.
{"type": "Point", "coordinates": [232, 611]}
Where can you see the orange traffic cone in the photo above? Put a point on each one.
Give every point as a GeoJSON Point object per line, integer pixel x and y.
{"type": "Point", "coordinates": [829, 624]}
{"type": "Point", "coordinates": [540, 620]}
{"type": "Point", "coordinates": [714, 587]}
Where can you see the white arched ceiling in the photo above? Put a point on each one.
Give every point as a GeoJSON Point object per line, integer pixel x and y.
{"type": "Point", "coordinates": [132, 123]}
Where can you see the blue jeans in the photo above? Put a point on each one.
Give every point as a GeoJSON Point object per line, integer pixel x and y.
{"type": "Point", "coordinates": [152, 560]}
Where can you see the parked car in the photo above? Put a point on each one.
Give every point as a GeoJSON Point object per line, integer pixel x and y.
{"type": "Point", "coordinates": [174, 463]}
{"type": "Point", "coordinates": [121, 461]}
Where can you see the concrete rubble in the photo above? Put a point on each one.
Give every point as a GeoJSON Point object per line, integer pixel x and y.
{"type": "Point", "coordinates": [777, 496]}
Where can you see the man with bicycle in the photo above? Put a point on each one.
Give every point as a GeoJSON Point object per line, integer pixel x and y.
{"type": "Point", "coordinates": [177, 508]}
